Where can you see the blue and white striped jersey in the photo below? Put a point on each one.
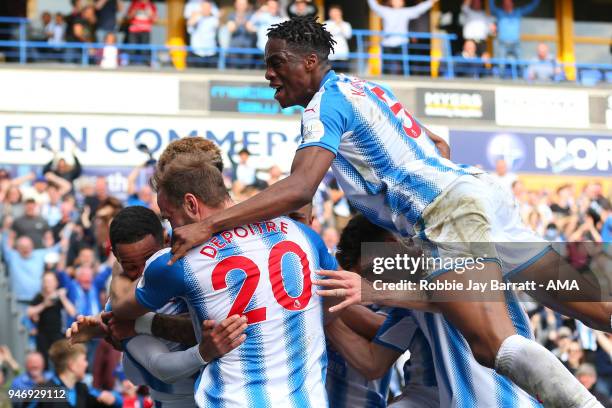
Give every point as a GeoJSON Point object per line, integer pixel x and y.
{"type": "Point", "coordinates": [179, 393]}
{"type": "Point", "coordinates": [387, 166]}
{"type": "Point", "coordinates": [462, 382]}
{"type": "Point", "coordinates": [401, 332]}
{"type": "Point", "coordinates": [263, 271]}
{"type": "Point", "coordinates": [348, 388]}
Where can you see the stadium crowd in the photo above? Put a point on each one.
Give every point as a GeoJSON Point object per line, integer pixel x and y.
{"type": "Point", "coordinates": [243, 26]}
{"type": "Point", "coordinates": [55, 245]}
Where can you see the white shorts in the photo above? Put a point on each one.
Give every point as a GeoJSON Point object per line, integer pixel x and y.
{"type": "Point", "coordinates": [476, 217]}
{"type": "Point", "coordinates": [417, 396]}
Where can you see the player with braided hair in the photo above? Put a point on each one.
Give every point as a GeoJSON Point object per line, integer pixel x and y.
{"type": "Point", "coordinates": [399, 175]}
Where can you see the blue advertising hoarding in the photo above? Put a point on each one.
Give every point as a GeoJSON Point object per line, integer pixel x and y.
{"type": "Point", "coordinates": [544, 153]}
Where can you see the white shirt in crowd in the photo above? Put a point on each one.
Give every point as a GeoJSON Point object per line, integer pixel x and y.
{"type": "Point", "coordinates": [340, 32]}
{"type": "Point", "coordinates": [110, 57]}
{"type": "Point", "coordinates": [245, 174]}
{"type": "Point", "coordinates": [203, 36]}
{"type": "Point", "coordinates": [476, 24]}
{"type": "Point", "coordinates": [395, 20]}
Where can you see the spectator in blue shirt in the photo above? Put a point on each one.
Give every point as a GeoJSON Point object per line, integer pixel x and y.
{"type": "Point", "coordinates": [25, 266]}
{"type": "Point", "coordinates": [543, 67]}
{"type": "Point", "coordinates": [143, 195]}
{"type": "Point", "coordinates": [202, 27]}
{"type": "Point", "coordinates": [509, 26]}
{"type": "Point", "coordinates": [34, 375]}
{"type": "Point", "coordinates": [85, 289]}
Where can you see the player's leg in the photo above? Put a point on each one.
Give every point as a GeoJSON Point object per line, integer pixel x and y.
{"type": "Point", "coordinates": [582, 304]}
{"type": "Point", "coordinates": [492, 338]}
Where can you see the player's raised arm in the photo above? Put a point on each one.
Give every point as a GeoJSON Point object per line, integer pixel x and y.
{"type": "Point", "coordinates": [309, 167]}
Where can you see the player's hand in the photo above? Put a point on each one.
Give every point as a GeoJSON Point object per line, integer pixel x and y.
{"type": "Point", "coordinates": [106, 398]}
{"type": "Point", "coordinates": [121, 329]}
{"type": "Point", "coordinates": [186, 237]}
{"type": "Point", "coordinates": [219, 339]}
{"type": "Point", "coordinates": [85, 328]}
{"type": "Point", "coordinates": [344, 285]}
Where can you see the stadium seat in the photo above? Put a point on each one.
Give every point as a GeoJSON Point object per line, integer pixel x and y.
{"type": "Point", "coordinates": [590, 77]}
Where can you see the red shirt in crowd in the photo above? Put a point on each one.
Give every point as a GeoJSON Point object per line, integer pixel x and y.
{"type": "Point", "coordinates": [142, 15]}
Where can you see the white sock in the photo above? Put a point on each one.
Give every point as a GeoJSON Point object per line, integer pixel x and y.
{"type": "Point", "coordinates": [539, 373]}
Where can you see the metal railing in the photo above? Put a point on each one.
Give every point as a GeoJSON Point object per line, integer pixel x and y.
{"type": "Point", "coordinates": [414, 59]}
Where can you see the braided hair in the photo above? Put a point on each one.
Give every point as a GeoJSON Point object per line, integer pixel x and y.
{"type": "Point", "coordinates": [304, 35]}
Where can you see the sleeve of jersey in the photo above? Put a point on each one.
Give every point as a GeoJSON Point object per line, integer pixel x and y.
{"type": "Point", "coordinates": [397, 330]}
{"type": "Point", "coordinates": [160, 283]}
{"type": "Point", "coordinates": [169, 367]}
{"type": "Point", "coordinates": [325, 124]}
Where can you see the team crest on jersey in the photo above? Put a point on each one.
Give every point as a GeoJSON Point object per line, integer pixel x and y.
{"type": "Point", "coordinates": [313, 131]}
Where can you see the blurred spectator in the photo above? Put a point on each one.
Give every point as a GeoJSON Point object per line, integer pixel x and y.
{"type": "Point", "coordinates": [193, 6]}
{"type": "Point", "coordinates": [70, 367]}
{"type": "Point", "coordinates": [131, 398]}
{"type": "Point", "coordinates": [240, 34]}
{"type": "Point", "coordinates": [603, 363]}
{"type": "Point", "coordinates": [275, 174]}
{"type": "Point", "coordinates": [59, 166]}
{"type": "Point", "coordinates": [301, 8]}
{"type": "Point", "coordinates": [46, 312]}
{"type": "Point", "coordinates": [563, 339]}
{"type": "Point", "coordinates": [25, 267]}
{"type": "Point", "coordinates": [84, 291]}
{"type": "Point", "coordinates": [35, 373]}
{"type": "Point", "coordinates": [56, 33]}
{"type": "Point", "coordinates": [75, 14]}
{"type": "Point", "coordinates": [9, 369]}
{"type": "Point", "coordinates": [109, 58]}
{"type": "Point", "coordinates": [37, 191]}
{"type": "Point", "coordinates": [509, 26]}
{"type": "Point", "coordinates": [106, 14]}
{"type": "Point", "coordinates": [245, 172]}
{"type": "Point", "coordinates": [37, 31]}
{"type": "Point", "coordinates": [469, 64]}
{"type": "Point", "coordinates": [341, 31]}
{"type": "Point", "coordinates": [587, 376]}
{"type": "Point", "coordinates": [139, 194]}
{"type": "Point", "coordinates": [68, 214]}
{"type": "Point", "coordinates": [266, 16]}
{"type": "Point", "coordinates": [202, 27]}
{"type": "Point", "coordinates": [11, 204]}
{"type": "Point", "coordinates": [32, 225]}
{"type": "Point", "coordinates": [395, 20]}
{"type": "Point", "coordinates": [331, 238]}
{"type": "Point", "coordinates": [94, 197]}
{"type": "Point", "coordinates": [141, 16]}
{"type": "Point", "coordinates": [575, 357]}
{"type": "Point", "coordinates": [502, 175]}
{"type": "Point", "coordinates": [51, 210]}
{"type": "Point", "coordinates": [544, 67]}
{"type": "Point", "coordinates": [420, 47]}
{"type": "Point", "coordinates": [80, 30]}
{"type": "Point", "coordinates": [477, 25]}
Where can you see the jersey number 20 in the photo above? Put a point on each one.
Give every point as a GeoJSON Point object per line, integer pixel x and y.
{"type": "Point", "coordinates": [252, 280]}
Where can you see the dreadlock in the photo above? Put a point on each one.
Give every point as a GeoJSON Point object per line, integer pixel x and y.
{"type": "Point", "coordinates": [304, 34]}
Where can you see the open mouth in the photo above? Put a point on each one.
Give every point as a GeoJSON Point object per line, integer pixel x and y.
{"type": "Point", "coordinates": [278, 88]}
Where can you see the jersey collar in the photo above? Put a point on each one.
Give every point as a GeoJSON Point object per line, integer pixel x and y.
{"type": "Point", "coordinates": [330, 74]}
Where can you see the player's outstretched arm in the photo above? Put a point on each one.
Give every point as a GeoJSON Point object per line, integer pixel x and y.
{"type": "Point", "coordinates": [370, 359]}
{"type": "Point", "coordinates": [309, 167]}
